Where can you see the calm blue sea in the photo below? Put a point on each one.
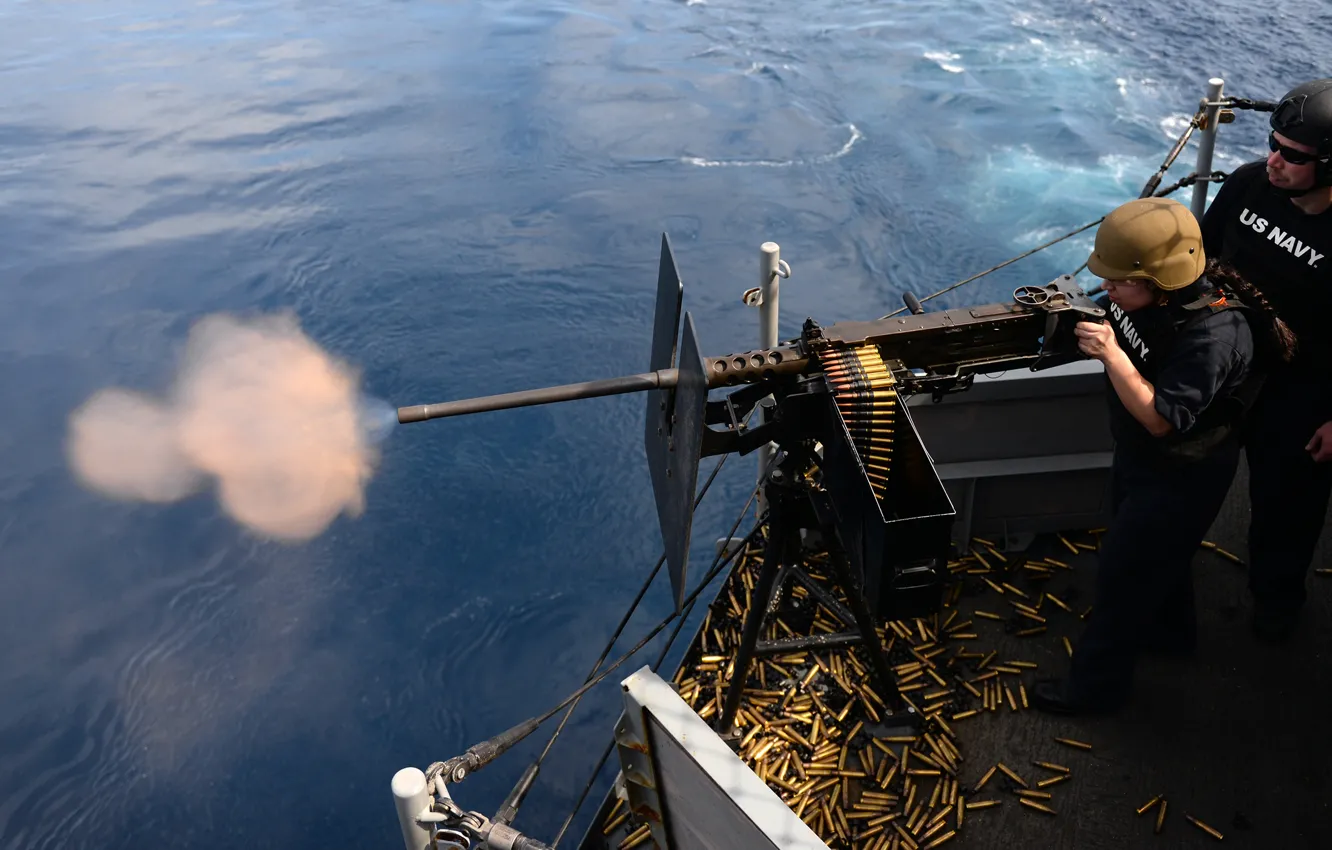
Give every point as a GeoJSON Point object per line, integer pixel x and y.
{"type": "Point", "coordinates": [458, 199]}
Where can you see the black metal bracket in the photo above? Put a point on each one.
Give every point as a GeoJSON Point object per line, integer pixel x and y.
{"type": "Point", "coordinates": [781, 563]}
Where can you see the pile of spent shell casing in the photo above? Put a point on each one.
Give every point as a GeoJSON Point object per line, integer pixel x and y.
{"type": "Point", "coordinates": [809, 722]}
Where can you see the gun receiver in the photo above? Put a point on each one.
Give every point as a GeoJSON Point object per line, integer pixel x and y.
{"type": "Point", "coordinates": [837, 414]}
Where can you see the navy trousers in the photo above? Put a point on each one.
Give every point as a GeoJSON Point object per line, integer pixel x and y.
{"type": "Point", "coordinates": [1144, 581]}
{"type": "Point", "coordinates": [1288, 491]}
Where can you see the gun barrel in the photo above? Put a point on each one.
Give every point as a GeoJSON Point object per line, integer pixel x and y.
{"type": "Point", "coordinates": [660, 379]}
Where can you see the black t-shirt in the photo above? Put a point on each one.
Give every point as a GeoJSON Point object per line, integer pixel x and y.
{"type": "Point", "coordinates": [1191, 361]}
{"type": "Point", "coordinates": [1282, 251]}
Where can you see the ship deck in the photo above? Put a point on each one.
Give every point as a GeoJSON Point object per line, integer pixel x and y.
{"type": "Point", "coordinates": [1235, 737]}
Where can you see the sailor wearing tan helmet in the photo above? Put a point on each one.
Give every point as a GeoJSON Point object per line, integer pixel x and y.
{"type": "Point", "coordinates": [1185, 347]}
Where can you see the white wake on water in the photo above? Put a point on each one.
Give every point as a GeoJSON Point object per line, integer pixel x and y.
{"type": "Point", "coordinates": [945, 60]}
{"type": "Point", "coordinates": [845, 149]}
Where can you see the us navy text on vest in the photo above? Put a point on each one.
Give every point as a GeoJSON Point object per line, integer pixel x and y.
{"type": "Point", "coordinates": [1282, 239]}
{"type": "Point", "coordinates": [1130, 332]}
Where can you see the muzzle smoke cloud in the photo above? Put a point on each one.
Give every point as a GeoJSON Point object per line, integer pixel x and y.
{"type": "Point", "coordinates": [259, 411]}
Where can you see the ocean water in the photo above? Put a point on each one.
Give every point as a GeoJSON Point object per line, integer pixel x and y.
{"type": "Point", "coordinates": [458, 199]}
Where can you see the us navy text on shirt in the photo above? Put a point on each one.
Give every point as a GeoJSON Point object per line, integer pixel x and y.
{"type": "Point", "coordinates": [1130, 332]}
{"type": "Point", "coordinates": [1283, 239]}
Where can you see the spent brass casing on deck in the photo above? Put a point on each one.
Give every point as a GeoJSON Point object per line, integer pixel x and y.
{"type": "Point", "coordinates": [614, 823]}
{"type": "Point", "coordinates": [1147, 805]}
{"type": "Point", "coordinates": [1032, 804]}
{"type": "Point", "coordinates": [642, 834]}
{"type": "Point", "coordinates": [984, 779]}
{"type": "Point", "coordinates": [1204, 827]}
{"type": "Point", "coordinates": [1058, 768]}
{"type": "Point", "coordinates": [1160, 816]}
{"type": "Point", "coordinates": [1011, 775]}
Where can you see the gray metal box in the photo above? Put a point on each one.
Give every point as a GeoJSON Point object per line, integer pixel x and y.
{"type": "Point", "coordinates": [1023, 452]}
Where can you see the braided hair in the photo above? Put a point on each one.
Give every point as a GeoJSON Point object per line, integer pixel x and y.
{"type": "Point", "coordinates": [1275, 339]}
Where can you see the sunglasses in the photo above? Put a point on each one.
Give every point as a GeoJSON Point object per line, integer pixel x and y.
{"type": "Point", "coordinates": [1290, 155]}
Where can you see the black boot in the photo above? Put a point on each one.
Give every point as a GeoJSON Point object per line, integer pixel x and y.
{"type": "Point", "coordinates": [1164, 644]}
{"type": "Point", "coordinates": [1273, 625]}
{"type": "Point", "coordinates": [1056, 696]}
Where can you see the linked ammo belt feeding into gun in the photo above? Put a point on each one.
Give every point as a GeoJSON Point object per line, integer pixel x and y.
{"type": "Point", "coordinates": [849, 461]}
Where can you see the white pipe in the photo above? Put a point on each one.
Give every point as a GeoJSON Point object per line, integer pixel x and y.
{"type": "Point", "coordinates": [770, 261]}
{"type": "Point", "coordinates": [412, 799]}
{"type": "Point", "coordinates": [1206, 145]}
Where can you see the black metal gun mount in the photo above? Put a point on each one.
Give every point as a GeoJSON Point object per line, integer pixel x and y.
{"type": "Point", "coordinates": [849, 461]}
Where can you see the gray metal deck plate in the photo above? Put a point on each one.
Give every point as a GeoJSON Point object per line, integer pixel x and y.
{"type": "Point", "coordinates": [1240, 729]}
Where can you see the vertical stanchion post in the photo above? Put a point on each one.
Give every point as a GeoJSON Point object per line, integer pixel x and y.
{"type": "Point", "coordinates": [770, 262]}
{"type": "Point", "coordinates": [1206, 146]}
{"type": "Point", "coordinates": [412, 798]}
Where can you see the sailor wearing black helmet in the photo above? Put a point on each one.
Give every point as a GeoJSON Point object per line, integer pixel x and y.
{"type": "Point", "coordinates": [1272, 221]}
{"type": "Point", "coordinates": [1180, 362]}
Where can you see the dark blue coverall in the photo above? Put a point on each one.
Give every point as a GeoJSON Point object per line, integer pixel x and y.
{"type": "Point", "coordinates": [1287, 255]}
{"type": "Point", "coordinates": [1166, 490]}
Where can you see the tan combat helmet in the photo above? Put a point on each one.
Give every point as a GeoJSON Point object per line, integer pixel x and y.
{"type": "Point", "coordinates": [1154, 239]}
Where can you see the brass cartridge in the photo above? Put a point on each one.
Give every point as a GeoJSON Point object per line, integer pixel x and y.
{"type": "Point", "coordinates": [1032, 804]}
{"type": "Point", "coordinates": [984, 779]}
{"type": "Point", "coordinates": [1011, 775]}
{"type": "Point", "coordinates": [1204, 827]}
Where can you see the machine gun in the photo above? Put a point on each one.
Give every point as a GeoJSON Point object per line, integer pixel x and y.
{"type": "Point", "coordinates": [848, 462]}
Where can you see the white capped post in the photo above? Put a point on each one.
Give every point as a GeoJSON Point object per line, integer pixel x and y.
{"type": "Point", "coordinates": [771, 271]}
{"type": "Point", "coordinates": [412, 799]}
{"type": "Point", "coordinates": [1206, 146]}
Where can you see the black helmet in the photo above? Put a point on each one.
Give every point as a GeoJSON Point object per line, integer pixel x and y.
{"type": "Point", "coordinates": [1304, 115]}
